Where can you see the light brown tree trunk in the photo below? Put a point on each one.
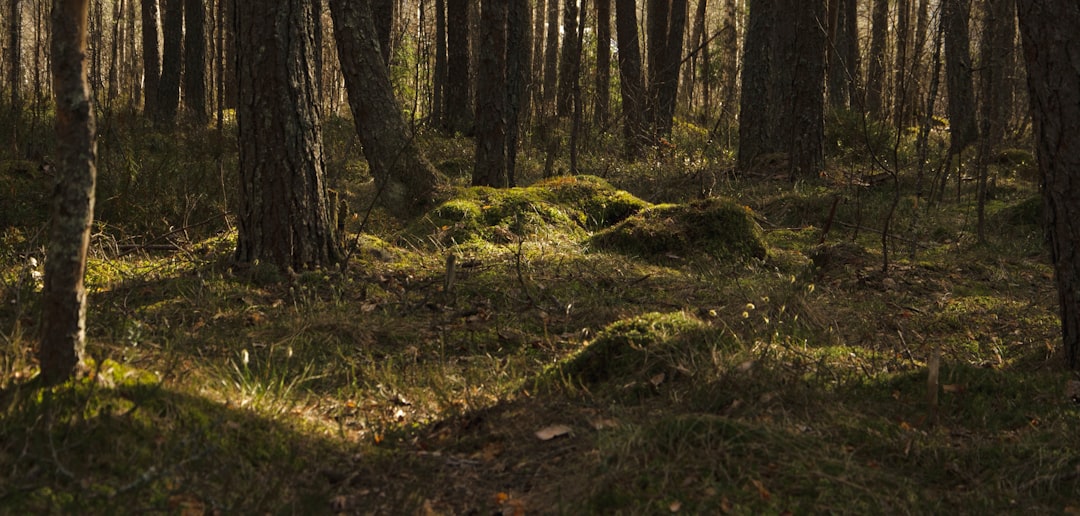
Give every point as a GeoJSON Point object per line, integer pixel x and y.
{"type": "Point", "coordinates": [406, 181]}
{"type": "Point", "coordinates": [63, 324]}
{"type": "Point", "coordinates": [284, 219]}
{"type": "Point", "coordinates": [1051, 36]}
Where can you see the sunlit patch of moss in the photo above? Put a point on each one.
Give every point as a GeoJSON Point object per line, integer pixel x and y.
{"type": "Point", "coordinates": [600, 204]}
{"type": "Point", "coordinates": [713, 227]}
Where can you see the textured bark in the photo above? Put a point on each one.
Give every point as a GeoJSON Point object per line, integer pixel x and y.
{"type": "Point", "coordinates": [405, 179]}
{"type": "Point", "coordinates": [195, 61]}
{"type": "Point", "coordinates": [15, 71]}
{"type": "Point", "coordinates": [536, 87]}
{"type": "Point", "coordinates": [518, 67]}
{"type": "Point", "coordinates": [63, 322]}
{"type": "Point", "coordinates": [151, 57]}
{"type": "Point", "coordinates": [666, 87]}
{"type": "Point", "coordinates": [569, 61]}
{"type": "Point", "coordinates": [383, 13]}
{"type": "Point", "coordinates": [603, 62]}
{"type": "Point", "coordinates": [844, 56]}
{"type": "Point", "coordinates": [438, 82]}
{"type": "Point", "coordinates": [755, 128]}
{"type": "Point", "coordinates": [283, 214]}
{"type": "Point", "coordinates": [631, 80]}
{"type": "Point", "coordinates": [963, 130]}
{"type": "Point", "coordinates": [807, 119]}
{"type": "Point", "coordinates": [729, 66]}
{"type": "Point", "coordinates": [875, 75]}
{"type": "Point", "coordinates": [491, 110]}
{"type": "Point", "coordinates": [902, 99]}
{"type": "Point", "coordinates": [459, 115]}
{"type": "Point", "coordinates": [1051, 38]}
{"type": "Point", "coordinates": [551, 56]}
{"type": "Point", "coordinates": [114, 54]}
{"type": "Point", "coordinates": [172, 30]}
{"type": "Point", "coordinates": [690, 73]}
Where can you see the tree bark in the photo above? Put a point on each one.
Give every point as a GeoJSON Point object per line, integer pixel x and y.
{"type": "Point", "coordinates": [603, 62]}
{"type": "Point", "coordinates": [284, 218]}
{"type": "Point", "coordinates": [438, 83]}
{"type": "Point", "coordinates": [755, 129]}
{"type": "Point", "coordinates": [963, 129]}
{"type": "Point", "coordinates": [569, 60]}
{"type": "Point", "coordinates": [551, 57]}
{"type": "Point", "coordinates": [459, 113]}
{"type": "Point", "coordinates": [631, 83]}
{"type": "Point", "coordinates": [383, 13]}
{"type": "Point", "coordinates": [875, 76]}
{"type": "Point", "coordinates": [518, 68]}
{"type": "Point", "coordinates": [172, 30]}
{"type": "Point", "coordinates": [63, 338]}
{"type": "Point", "coordinates": [490, 168]}
{"type": "Point", "coordinates": [15, 70]}
{"type": "Point", "coordinates": [902, 103]}
{"type": "Point", "coordinates": [1051, 40]}
{"type": "Point", "coordinates": [666, 89]}
{"type": "Point", "coordinates": [807, 122]}
{"type": "Point", "coordinates": [151, 57]}
{"type": "Point", "coordinates": [195, 61]}
{"type": "Point", "coordinates": [406, 180]}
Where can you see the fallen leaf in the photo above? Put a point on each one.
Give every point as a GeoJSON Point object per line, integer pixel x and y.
{"type": "Point", "coordinates": [550, 432]}
{"type": "Point", "coordinates": [657, 380]}
{"type": "Point", "coordinates": [761, 489]}
{"type": "Point", "coordinates": [675, 506]}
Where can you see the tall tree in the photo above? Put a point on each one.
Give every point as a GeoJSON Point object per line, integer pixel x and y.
{"type": "Point", "coordinates": [405, 179]}
{"type": "Point", "coordinates": [551, 57]}
{"type": "Point", "coordinates": [459, 115]}
{"type": "Point", "coordinates": [195, 61]}
{"type": "Point", "coordinates": [151, 43]}
{"type": "Point", "coordinates": [490, 169]}
{"type": "Point", "coordinates": [383, 13]}
{"type": "Point", "coordinates": [631, 79]}
{"type": "Point", "coordinates": [958, 77]}
{"type": "Point", "coordinates": [902, 99]}
{"type": "Point", "coordinates": [284, 217]}
{"type": "Point", "coordinates": [63, 338]}
{"type": "Point", "coordinates": [664, 67]}
{"type": "Point", "coordinates": [172, 31]}
{"type": "Point", "coordinates": [755, 128]}
{"type": "Point", "coordinates": [518, 73]}
{"type": "Point", "coordinates": [806, 51]}
{"type": "Point", "coordinates": [15, 69]}
{"type": "Point", "coordinates": [603, 61]}
{"type": "Point", "coordinates": [438, 82]}
{"type": "Point", "coordinates": [1051, 37]}
{"type": "Point", "coordinates": [570, 59]}
{"type": "Point", "coordinates": [875, 75]}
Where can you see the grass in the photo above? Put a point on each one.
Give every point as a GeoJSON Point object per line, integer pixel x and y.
{"type": "Point", "coordinates": [789, 381]}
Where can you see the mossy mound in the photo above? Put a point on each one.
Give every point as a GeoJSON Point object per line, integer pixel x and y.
{"type": "Point", "coordinates": [839, 256]}
{"type": "Point", "coordinates": [716, 227]}
{"type": "Point", "coordinates": [561, 208]}
{"type": "Point", "coordinates": [600, 204]}
{"type": "Point", "coordinates": [637, 350]}
{"type": "Point", "coordinates": [1025, 212]}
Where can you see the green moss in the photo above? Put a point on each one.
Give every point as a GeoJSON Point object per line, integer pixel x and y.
{"type": "Point", "coordinates": [636, 350]}
{"type": "Point", "coordinates": [600, 203]}
{"type": "Point", "coordinates": [713, 226]}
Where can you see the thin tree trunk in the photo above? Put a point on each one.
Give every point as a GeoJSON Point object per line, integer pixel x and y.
{"type": "Point", "coordinates": [875, 76]}
{"type": "Point", "coordinates": [963, 129]}
{"type": "Point", "coordinates": [631, 83]}
{"type": "Point", "coordinates": [15, 70]}
{"type": "Point", "coordinates": [690, 73]}
{"type": "Point", "coordinates": [491, 94]}
{"type": "Point", "coordinates": [63, 338]}
{"type": "Point", "coordinates": [551, 57]}
{"type": "Point", "coordinates": [568, 62]}
{"type": "Point", "coordinates": [405, 179]}
{"type": "Point", "coordinates": [458, 108]}
{"type": "Point", "coordinates": [438, 86]}
{"type": "Point", "coordinates": [518, 67]}
{"type": "Point", "coordinates": [172, 30]}
{"type": "Point", "coordinates": [603, 62]}
{"type": "Point", "coordinates": [151, 57]}
{"type": "Point", "coordinates": [195, 61]}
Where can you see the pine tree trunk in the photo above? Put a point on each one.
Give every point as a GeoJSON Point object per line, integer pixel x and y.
{"type": "Point", "coordinates": [458, 107]}
{"type": "Point", "coordinates": [195, 61]}
{"type": "Point", "coordinates": [551, 57]}
{"type": "Point", "coordinates": [603, 62]}
{"type": "Point", "coordinates": [63, 338]}
{"type": "Point", "coordinates": [383, 13]}
{"type": "Point", "coordinates": [406, 181]}
{"type": "Point", "coordinates": [631, 83]}
{"type": "Point", "coordinates": [491, 109]}
{"type": "Point", "coordinates": [284, 218]}
{"type": "Point", "coordinates": [755, 138]}
{"type": "Point", "coordinates": [172, 30]}
{"type": "Point", "coordinates": [151, 57]}
{"type": "Point", "coordinates": [518, 68]}
{"type": "Point", "coordinates": [875, 76]}
{"type": "Point", "coordinates": [1051, 39]}
{"type": "Point", "coordinates": [963, 130]}
{"type": "Point", "coordinates": [438, 83]}
{"type": "Point", "coordinates": [568, 62]}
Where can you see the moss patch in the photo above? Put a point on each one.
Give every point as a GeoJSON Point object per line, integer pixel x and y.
{"type": "Point", "coordinates": [713, 226]}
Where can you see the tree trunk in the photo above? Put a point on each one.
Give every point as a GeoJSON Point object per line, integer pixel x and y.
{"type": "Point", "coordinates": [962, 124]}
{"type": "Point", "coordinates": [568, 62]}
{"type": "Point", "coordinates": [631, 81]}
{"type": "Point", "coordinates": [15, 70]}
{"type": "Point", "coordinates": [551, 57]}
{"type": "Point", "coordinates": [902, 102]}
{"type": "Point", "coordinates": [63, 338]}
{"type": "Point", "coordinates": [603, 62]}
{"type": "Point", "coordinates": [438, 83]}
{"type": "Point", "coordinates": [807, 122]}
{"type": "Point", "coordinates": [755, 138]}
{"type": "Point", "coordinates": [195, 61]}
{"type": "Point", "coordinates": [406, 181]}
{"type": "Point", "coordinates": [172, 31]}
{"type": "Point", "coordinates": [875, 76]}
{"type": "Point", "coordinates": [284, 219]}
{"type": "Point", "coordinates": [1051, 39]}
{"type": "Point", "coordinates": [518, 68]}
{"type": "Point", "coordinates": [995, 45]}
{"type": "Point", "coordinates": [491, 94]}
{"type": "Point", "coordinates": [458, 108]}
{"type": "Point", "coordinates": [383, 13]}
{"type": "Point", "coordinates": [690, 73]}
{"type": "Point", "coordinates": [667, 87]}
{"type": "Point", "coordinates": [536, 88]}
{"type": "Point", "coordinates": [151, 57]}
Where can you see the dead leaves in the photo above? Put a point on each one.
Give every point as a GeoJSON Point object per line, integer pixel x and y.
{"type": "Point", "coordinates": [552, 431]}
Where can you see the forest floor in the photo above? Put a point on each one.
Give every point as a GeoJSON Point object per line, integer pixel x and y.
{"type": "Point", "coordinates": [549, 371]}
